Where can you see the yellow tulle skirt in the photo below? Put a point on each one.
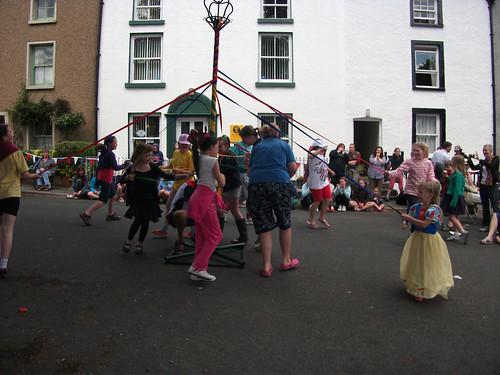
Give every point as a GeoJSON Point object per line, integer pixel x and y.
{"type": "Point", "coordinates": [425, 266]}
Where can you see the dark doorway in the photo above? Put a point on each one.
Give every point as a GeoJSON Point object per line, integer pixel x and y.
{"type": "Point", "coordinates": [366, 136]}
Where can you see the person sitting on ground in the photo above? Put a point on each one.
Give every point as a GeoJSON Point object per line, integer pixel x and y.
{"type": "Point", "coordinates": [80, 185]}
{"type": "Point", "coordinates": [164, 189]}
{"type": "Point", "coordinates": [342, 194]}
{"type": "Point", "coordinates": [376, 170]}
{"type": "Point", "coordinates": [493, 231]}
{"type": "Point", "coordinates": [45, 169]}
{"type": "Point", "coordinates": [94, 190]}
{"type": "Point", "coordinates": [394, 162]}
{"type": "Point", "coordinates": [361, 199]}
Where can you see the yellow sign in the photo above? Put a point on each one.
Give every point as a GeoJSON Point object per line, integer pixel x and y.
{"type": "Point", "coordinates": [234, 132]}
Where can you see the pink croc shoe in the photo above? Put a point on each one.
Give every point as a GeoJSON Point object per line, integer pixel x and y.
{"type": "Point", "coordinates": [294, 263]}
{"type": "Point", "coordinates": [266, 273]}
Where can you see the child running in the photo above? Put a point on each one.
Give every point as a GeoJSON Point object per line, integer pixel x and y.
{"type": "Point", "coordinates": [425, 263]}
{"type": "Point", "coordinates": [453, 202]}
{"type": "Point", "coordinates": [105, 169]}
{"type": "Point", "coordinates": [319, 183]}
{"type": "Point", "coordinates": [202, 210]}
{"type": "Point", "coordinates": [142, 194]}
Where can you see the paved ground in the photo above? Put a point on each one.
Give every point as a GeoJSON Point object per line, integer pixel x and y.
{"type": "Point", "coordinates": [92, 310]}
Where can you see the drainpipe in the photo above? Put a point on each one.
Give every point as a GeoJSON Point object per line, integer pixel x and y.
{"type": "Point", "coordinates": [97, 66]}
{"type": "Point", "coordinates": [493, 85]}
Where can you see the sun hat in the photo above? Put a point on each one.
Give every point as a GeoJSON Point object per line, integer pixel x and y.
{"type": "Point", "coordinates": [319, 143]}
{"type": "Point", "coordinates": [458, 148]}
{"type": "Point", "coordinates": [183, 139]}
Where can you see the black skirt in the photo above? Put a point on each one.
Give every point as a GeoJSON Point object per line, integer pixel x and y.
{"type": "Point", "coordinates": [144, 210]}
{"type": "Point", "coordinates": [459, 209]}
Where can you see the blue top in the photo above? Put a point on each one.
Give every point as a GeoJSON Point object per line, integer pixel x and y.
{"type": "Point", "coordinates": [433, 213]}
{"type": "Point", "coordinates": [269, 161]}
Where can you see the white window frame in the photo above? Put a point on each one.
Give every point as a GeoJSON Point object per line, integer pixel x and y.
{"type": "Point", "coordinates": [416, 9]}
{"type": "Point", "coordinates": [30, 66]}
{"type": "Point", "coordinates": [289, 57]}
{"type": "Point", "coordinates": [33, 6]}
{"type": "Point", "coordinates": [149, 8]}
{"type": "Point", "coordinates": [287, 6]}
{"type": "Point", "coordinates": [132, 138]}
{"type": "Point", "coordinates": [289, 137]}
{"type": "Point", "coordinates": [428, 135]}
{"type": "Point", "coordinates": [6, 116]}
{"type": "Point", "coordinates": [133, 37]}
{"type": "Point", "coordinates": [435, 72]}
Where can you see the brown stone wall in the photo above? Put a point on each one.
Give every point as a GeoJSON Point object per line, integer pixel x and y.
{"type": "Point", "coordinates": [76, 35]}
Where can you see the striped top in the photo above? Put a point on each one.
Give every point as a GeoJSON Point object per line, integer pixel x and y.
{"type": "Point", "coordinates": [418, 171]}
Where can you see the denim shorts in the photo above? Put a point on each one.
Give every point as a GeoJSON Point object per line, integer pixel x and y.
{"type": "Point", "coordinates": [270, 206]}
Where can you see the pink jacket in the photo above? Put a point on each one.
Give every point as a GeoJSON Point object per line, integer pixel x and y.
{"type": "Point", "coordinates": [418, 171]}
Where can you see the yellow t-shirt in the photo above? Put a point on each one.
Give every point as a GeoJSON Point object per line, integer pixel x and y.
{"type": "Point", "coordinates": [183, 160]}
{"type": "Point", "coordinates": [11, 169]}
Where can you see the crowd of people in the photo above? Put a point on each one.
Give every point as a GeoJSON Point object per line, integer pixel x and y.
{"type": "Point", "coordinates": [207, 177]}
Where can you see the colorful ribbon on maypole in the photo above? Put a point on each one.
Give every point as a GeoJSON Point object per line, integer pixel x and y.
{"type": "Point", "coordinates": [218, 17]}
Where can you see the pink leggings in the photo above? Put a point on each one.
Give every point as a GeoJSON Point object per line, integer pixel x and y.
{"type": "Point", "coordinates": [393, 180]}
{"type": "Point", "coordinates": [207, 236]}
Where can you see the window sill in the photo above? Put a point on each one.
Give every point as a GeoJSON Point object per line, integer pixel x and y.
{"type": "Point", "coordinates": [40, 87]}
{"type": "Point", "coordinates": [274, 84]}
{"type": "Point", "coordinates": [146, 22]}
{"type": "Point", "coordinates": [159, 85]}
{"type": "Point", "coordinates": [42, 22]}
{"type": "Point", "coordinates": [416, 88]}
{"type": "Point", "coordinates": [435, 26]}
{"type": "Point", "coordinates": [275, 20]}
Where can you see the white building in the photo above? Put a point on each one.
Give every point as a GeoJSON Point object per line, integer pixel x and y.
{"type": "Point", "coordinates": [373, 72]}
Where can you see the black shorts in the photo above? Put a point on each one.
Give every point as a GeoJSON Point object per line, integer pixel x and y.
{"type": "Point", "coordinates": [10, 206]}
{"type": "Point", "coordinates": [270, 205]}
{"type": "Point", "coordinates": [108, 190]}
{"type": "Point", "coordinates": [170, 219]}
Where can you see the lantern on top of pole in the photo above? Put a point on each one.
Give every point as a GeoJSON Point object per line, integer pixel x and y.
{"type": "Point", "coordinates": [218, 17]}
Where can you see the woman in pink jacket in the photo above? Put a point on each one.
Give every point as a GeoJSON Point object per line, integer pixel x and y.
{"type": "Point", "coordinates": [418, 168]}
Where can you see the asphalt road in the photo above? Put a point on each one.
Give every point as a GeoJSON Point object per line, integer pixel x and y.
{"type": "Point", "coordinates": [92, 310]}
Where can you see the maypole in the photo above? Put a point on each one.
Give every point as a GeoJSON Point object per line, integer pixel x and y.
{"type": "Point", "coordinates": [218, 17]}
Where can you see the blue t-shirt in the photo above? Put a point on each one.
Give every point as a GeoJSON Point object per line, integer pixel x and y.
{"type": "Point", "coordinates": [269, 161]}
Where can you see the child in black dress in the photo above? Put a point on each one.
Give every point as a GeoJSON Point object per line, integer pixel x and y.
{"type": "Point", "coordinates": [142, 194]}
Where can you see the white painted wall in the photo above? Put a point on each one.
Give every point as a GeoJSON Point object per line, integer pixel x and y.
{"type": "Point", "coordinates": [349, 55]}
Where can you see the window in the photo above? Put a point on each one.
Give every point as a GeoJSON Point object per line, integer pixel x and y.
{"type": "Point", "coordinates": [43, 11]}
{"type": "Point", "coordinates": [426, 13]}
{"type": "Point", "coordinates": [428, 65]}
{"type": "Point", "coordinates": [282, 122]}
{"type": "Point", "coordinates": [276, 57]}
{"type": "Point", "coordinates": [146, 130]}
{"type": "Point", "coordinates": [187, 126]}
{"type": "Point", "coordinates": [429, 127]}
{"type": "Point", "coordinates": [147, 10]}
{"type": "Point", "coordinates": [40, 65]}
{"type": "Point", "coordinates": [40, 136]}
{"type": "Point", "coordinates": [145, 58]}
{"type": "Point", "coordinates": [4, 118]}
{"type": "Point", "coordinates": [275, 9]}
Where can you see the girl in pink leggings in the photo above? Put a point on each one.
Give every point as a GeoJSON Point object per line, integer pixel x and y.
{"type": "Point", "coordinates": [202, 210]}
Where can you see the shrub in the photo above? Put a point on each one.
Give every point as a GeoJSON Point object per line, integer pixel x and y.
{"type": "Point", "coordinates": [68, 122]}
{"type": "Point", "coordinates": [26, 112]}
{"type": "Point", "coordinates": [68, 148]}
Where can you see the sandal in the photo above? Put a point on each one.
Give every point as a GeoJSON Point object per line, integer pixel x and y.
{"type": "Point", "coordinates": [178, 248]}
{"type": "Point", "coordinates": [324, 222]}
{"type": "Point", "coordinates": [85, 218]}
{"type": "Point", "coordinates": [139, 250]}
{"type": "Point", "coordinates": [266, 273]}
{"type": "Point", "coordinates": [294, 263]}
{"type": "Point", "coordinates": [113, 217]}
{"type": "Point", "coordinates": [311, 224]}
{"type": "Point", "coordinates": [486, 241]}
{"type": "Point", "coordinates": [126, 247]}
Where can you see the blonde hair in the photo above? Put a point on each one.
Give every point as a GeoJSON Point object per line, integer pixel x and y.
{"type": "Point", "coordinates": [140, 150]}
{"type": "Point", "coordinates": [432, 187]}
{"type": "Point", "coordinates": [423, 147]}
{"type": "Point", "coordinates": [459, 163]}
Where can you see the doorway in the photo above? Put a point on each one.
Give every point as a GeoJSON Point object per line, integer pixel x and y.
{"type": "Point", "coordinates": [366, 136]}
{"type": "Point", "coordinates": [185, 124]}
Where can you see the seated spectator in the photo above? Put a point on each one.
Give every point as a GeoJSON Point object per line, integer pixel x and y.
{"type": "Point", "coordinates": [361, 199]}
{"type": "Point", "coordinates": [158, 158]}
{"type": "Point", "coordinates": [342, 194]}
{"type": "Point", "coordinates": [44, 168]}
{"type": "Point", "coordinates": [94, 191]}
{"type": "Point", "coordinates": [164, 189]}
{"type": "Point", "coordinates": [80, 185]}
{"type": "Point", "coordinates": [493, 229]}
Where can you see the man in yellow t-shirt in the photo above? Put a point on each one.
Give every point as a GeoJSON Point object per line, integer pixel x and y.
{"type": "Point", "coordinates": [13, 167]}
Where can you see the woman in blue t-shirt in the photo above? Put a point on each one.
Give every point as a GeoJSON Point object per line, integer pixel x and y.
{"type": "Point", "coordinates": [272, 163]}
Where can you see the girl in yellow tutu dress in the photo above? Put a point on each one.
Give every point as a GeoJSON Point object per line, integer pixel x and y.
{"type": "Point", "coordinates": [425, 263]}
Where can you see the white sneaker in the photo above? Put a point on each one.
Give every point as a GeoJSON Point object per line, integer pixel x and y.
{"type": "Point", "coordinates": [344, 208]}
{"type": "Point", "coordinates": [453, 236]}
{"type": "Point", "coordinates": [484, 229]}
{"type": "Point", "coordinates": [190, 269]}
{"type": "Point", "coordinates": [201, 275]}
{"type": "Point", "coordinates": [464, 236]}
